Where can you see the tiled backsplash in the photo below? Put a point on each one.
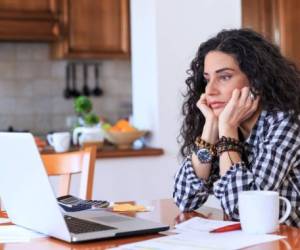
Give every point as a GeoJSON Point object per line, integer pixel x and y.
{"type": "Point", "coordinates": [32, 84]}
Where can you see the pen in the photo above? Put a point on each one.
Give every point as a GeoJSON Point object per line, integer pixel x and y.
{"type": "Point", "coordinates": [227, 228]}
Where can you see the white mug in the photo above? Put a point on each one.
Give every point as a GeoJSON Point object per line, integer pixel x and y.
{"type": "Point", "coordinates": [60, 141]}
{"type": "Point", "coordinates": [259, 211]}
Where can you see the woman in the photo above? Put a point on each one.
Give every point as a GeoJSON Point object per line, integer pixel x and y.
{"type": "Point", "coordinates": [241, 127]}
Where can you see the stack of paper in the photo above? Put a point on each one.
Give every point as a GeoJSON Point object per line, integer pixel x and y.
{"type": "Point", "coordinates": [13, 233]}
{"type": "Point", "coordinates": [198, 224]}
{"type": "Point", "coordinates": [194, 234]}
{"type": "Point", "coordinates": [4, 220]}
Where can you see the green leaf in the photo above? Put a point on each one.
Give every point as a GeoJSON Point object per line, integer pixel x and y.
{"type": "Point", "coordinates": [91, 119]}
{"type": "Point", "coordinates": [82, 105]}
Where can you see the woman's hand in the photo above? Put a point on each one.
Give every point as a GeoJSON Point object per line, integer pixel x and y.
{"type": "Point", "coordinates": [239, 108]}
{"type": "Point", "coordinates": [205, 109]}
{"type": "Point", "coordinates": [210, 129]}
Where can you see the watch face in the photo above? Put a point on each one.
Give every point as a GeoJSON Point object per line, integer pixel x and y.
{"type": "Point", "coordinates": [204, 155]}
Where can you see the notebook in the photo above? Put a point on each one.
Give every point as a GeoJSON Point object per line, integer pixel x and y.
{"type": "Point", "coordinates": [30, 202]}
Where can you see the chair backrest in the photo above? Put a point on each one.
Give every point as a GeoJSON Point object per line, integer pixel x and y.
{"type": "Point", "coordinates": [66, 164]}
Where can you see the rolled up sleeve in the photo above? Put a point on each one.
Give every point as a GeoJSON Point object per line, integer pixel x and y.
{"type": "Point", "coordinates": [276, 153]}
{"type": "Point", "coordinates": [226, 189]}
{"type": "Point", "coordinates": [190, 192]}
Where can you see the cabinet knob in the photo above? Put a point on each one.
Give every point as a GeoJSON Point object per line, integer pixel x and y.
{"type": "Point", "coordinates": [55, 30]}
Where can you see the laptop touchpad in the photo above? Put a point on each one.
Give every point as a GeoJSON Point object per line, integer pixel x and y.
{"type": "Point", "coordinates": [111, 219]}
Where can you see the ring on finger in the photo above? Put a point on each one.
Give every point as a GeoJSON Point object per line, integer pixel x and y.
{"type": "Point", "coordinates": [251, 96]}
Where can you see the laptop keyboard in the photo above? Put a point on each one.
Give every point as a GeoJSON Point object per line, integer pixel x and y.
{"type": "Point", "coordinates": [78, 226]}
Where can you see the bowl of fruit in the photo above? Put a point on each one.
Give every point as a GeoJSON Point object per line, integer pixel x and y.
{"type": "Point", "coordinates": [122, 134]}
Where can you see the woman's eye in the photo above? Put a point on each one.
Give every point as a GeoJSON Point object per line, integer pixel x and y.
{"type": "Point", "coordinates": [225, 77]}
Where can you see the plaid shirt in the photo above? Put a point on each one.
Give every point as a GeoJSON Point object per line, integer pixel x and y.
{"type": "Point", "coordinates": [271, 162]}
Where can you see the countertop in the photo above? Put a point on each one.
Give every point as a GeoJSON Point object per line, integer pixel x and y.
{"type": "Point", "coordinates": [112, 152]}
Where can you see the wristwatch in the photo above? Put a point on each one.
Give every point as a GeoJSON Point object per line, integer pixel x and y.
{"type": "Point", "coordinates": [204, 150]}
{"type": "Point", "coordinates": [204, 155]}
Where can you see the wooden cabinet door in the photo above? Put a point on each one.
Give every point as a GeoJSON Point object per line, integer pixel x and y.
{"type": "Point", "coordinates": [261, 16]}
{"type": "Point", "coordinates": [26, 6]}
{"type": "Point", "coordinates": [29, 20]}
{"type": "Point", "coordinates": [277, 20]}
{"type": "Point", "coordinates": [95, 29]}
{"type": "Point", "coordinates": [289, 20]}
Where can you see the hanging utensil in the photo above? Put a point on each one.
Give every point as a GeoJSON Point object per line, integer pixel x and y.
{"type": "Point", "coordinates": [75, 92]}
{"type": "Point", "coordinates": [85, 89]}
{"type": "Point", "coordinates": [67, 91]}
{"type": "Point", "coordinates": [97, 91]}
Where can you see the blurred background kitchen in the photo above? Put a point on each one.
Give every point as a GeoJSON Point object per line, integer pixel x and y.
{"type": "Point", "coordinates": [32, 87]}
{"type": "Point", "coordinates": [141, 49]}
{"type": "Point", "coordinates": [39, 39]}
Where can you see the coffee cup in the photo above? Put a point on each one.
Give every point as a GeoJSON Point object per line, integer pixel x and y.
{"type": "Point", "coordinates": [60, 141]}
{"type": "Point", "coordinates": [259, 211]}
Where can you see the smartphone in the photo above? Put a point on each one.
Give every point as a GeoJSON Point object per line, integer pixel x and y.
{"type": "Point", "coordinates": [72, 203]}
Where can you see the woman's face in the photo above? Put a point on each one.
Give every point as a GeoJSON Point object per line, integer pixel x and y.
{"type": "Point", "coordinates": [223, 75]}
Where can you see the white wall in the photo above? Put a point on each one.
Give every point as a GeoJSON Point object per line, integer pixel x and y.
{"type": "Point", "coordinates": [133, 178]}
{"type": "Point", "coordinates": [164, 35]}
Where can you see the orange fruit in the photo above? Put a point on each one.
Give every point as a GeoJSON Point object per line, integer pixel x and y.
{"type": "Point", "coordinates": [113, 128]}
{"type": "Point", "coordinates": [128, 129]}
{"type": "Point", "coordinates": [122, 123]}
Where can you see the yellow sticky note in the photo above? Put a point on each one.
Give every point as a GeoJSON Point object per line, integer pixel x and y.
{"type": "Point", "coordinates": [129, 208]}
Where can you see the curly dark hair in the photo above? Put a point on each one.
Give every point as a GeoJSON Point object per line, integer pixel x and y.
{"type": "Point", "coordinates": [271, 76]}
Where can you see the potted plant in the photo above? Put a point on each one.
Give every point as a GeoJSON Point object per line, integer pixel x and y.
{"type": "Point", "coordinates": [83, 108]}
{"type": "Point", "coordinates": [88, 129]}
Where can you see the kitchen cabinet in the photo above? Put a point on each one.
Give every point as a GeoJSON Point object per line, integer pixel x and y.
{"type": "Point", "coordinates": [94, 29]}
{"type": "Point", "coordinates": [278, 20]}
{"type": "Point", "coordinates": [29, 20]}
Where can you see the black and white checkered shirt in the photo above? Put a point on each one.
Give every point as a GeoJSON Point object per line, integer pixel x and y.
{"type": "Point", "coordinates": [272, 163]}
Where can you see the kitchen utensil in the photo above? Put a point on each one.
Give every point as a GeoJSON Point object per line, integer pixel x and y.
{"type": "Point", "coordinates": [75, 92]}
{"type": "Point", "coordinates": [85, 89]}
{"type": "Point", "coordinates": [97, 91]}
{"type": "Point", "coordinates": [67, 91]}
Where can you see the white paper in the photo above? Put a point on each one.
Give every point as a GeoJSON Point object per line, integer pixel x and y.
{"type": "Point", "coordinates": [4, 220]}
{"type": "Point", "coordinates": [202, 240]}
{"type": "Point", "coordinates": [194, 234]}
{"type": "Point", "coordinates": [14, 233]}
{"type": "Point", "coordinates": [197, 224]}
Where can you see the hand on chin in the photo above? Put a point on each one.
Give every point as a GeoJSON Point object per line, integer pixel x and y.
{"type": "Point", "coordinates": [218, 111]}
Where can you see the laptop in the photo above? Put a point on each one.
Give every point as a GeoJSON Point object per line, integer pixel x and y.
{"type": "Point", "coordinates": [30, 202]}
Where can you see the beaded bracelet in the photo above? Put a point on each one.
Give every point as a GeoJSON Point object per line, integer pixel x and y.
{"type": "Point", "coordinates": [229, 144]}
{"type": "Point", "coordinates": [200, 143]}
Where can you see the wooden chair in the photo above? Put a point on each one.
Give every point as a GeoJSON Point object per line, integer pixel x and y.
{"type": "Point", "coordinates": [66, 164]}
